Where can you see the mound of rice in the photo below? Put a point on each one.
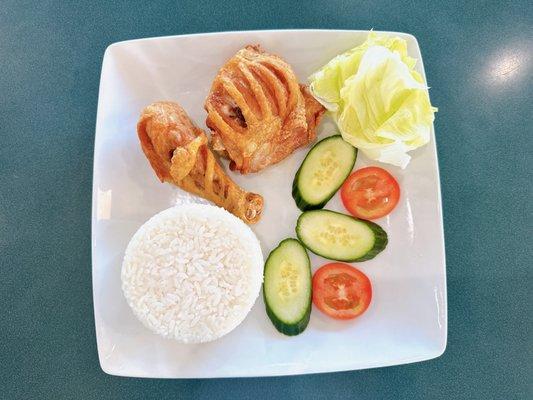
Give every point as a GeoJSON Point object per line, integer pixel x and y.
{"type": "Point", "coordinates": [192, 272]}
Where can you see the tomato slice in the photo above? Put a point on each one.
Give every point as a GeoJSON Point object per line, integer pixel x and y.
{"type": "Point", "coordinates": [370, 193]}
{"type": "Point", "coordinates": [341, 291]}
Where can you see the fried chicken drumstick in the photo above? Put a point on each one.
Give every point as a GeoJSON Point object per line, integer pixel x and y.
{"type": "Point", "coordinates": [257, 111]}
{"type": "Point", "coordinates": [178, 153]}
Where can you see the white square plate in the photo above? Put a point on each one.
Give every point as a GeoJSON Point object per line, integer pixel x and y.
{"type": "Point", "coordinates": [407, 320]}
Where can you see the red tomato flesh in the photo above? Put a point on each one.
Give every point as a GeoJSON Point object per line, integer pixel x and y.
{"type": "Point", "coordinates": [370, 193]}
{"type": "Point", "coordinates": [341, 291]}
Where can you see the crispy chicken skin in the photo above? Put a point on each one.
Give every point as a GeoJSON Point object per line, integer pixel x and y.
{"type": "Point", "coordinates": [177, 151]}
{"type": "Point", "coordinates": [257, 111]}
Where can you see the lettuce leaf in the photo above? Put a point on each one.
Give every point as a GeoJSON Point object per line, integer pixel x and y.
{"type": "Point", "coordinates": [378, 101]}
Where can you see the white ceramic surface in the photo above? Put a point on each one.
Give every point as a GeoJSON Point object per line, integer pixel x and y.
{"type": "Point", "coordinates": [407, 320]}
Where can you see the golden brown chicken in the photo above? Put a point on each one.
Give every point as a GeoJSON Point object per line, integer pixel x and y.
{"type": "Point", "coordinates": [257, 111]}
{"type": "Point", "coordinates": [178, 153]}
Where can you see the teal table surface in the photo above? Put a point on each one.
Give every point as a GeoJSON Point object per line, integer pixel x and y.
{"type": "Point", "coordinates": [478, 58]}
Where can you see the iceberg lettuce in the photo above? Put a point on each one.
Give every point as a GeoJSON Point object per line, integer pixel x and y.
{"type": "Point", "coordinates": [378, 101]}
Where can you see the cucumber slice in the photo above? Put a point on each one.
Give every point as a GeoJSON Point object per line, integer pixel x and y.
{"type": "Point", "coordinates": [287, 287]}
{"type": "Point", "coordinates": [340, 237]}
{"type": "Point", "coordinates": [323, 171]}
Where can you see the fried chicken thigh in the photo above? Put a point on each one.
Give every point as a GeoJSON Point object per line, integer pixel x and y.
{"type": "Point", "coordinates": [177, 151]}
{"type": "Point", "coordinates": [257, 111]}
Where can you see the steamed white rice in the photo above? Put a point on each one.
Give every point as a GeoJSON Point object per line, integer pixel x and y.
{"type": "Point", "coordinates": [192, 272]}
